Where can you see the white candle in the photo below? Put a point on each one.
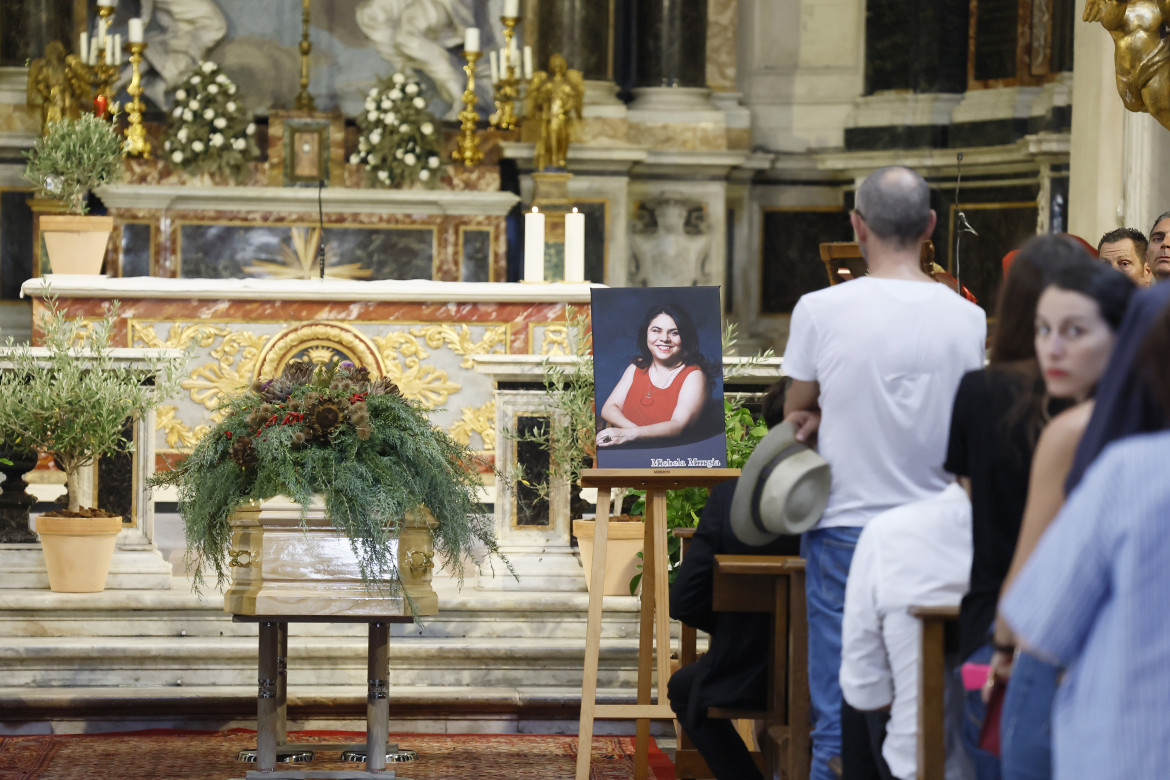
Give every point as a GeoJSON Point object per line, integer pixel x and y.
{"type": "Point", "coordinates": [512, 8]}
{"type": "Point", "coordinates": [83, 47]}
{"type": "Point", "coordinates": [534, 246]}
{"type": "Point", "coordinates": [527, 62]}
{"type": "Point", "coordinates": [117, 48]}
{"type": "Point", "coordinates": [109, 51]}
{"type": "Point", "coordinates": [107, 3]}
{"type": "Point", "coordinates": [574, 246]}
{"type": "Point", "coordinates": [494, 62]}
{"type": "Point", "coordinates": [471, 39]}
{"type": "Point", "coordinates": [135, 30]}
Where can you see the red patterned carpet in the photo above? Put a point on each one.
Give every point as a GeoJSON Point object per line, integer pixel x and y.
{"type": "Point", "coordinates": [193, 755]}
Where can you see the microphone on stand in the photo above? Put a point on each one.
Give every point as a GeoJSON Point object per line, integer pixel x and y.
{"type": "Point", "coordinates": [961, 223]}
{"type": "Point", "coordinates": [321, 228]}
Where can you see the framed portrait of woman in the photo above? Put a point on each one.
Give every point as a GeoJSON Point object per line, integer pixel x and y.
{"type": "Point", "coordinates": [658, 372]}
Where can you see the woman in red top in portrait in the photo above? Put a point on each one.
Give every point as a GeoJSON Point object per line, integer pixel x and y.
{"type": "Point", "coordinates": [664, 389]}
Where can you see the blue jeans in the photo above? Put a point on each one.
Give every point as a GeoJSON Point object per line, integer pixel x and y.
{"type": "Point", "coordinates": [827, 553]}
{"type": "Point", "coordinates": [1026, 724]}
{"type": "Point", "coordinates": [974, 711]}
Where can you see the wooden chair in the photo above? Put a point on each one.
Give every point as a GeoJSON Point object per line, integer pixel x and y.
{"type": "Point", "coordinates": [772, 585]}
{"type": "Point", "coordinates": [931, 684]}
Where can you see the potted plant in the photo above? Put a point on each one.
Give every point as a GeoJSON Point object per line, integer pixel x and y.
{"type": "Point", "coordinates": [569, 439]}
{"type": "Point", "coordinates": [71, 159]}
{"type": "Point", "coordinates": [345, 447]}
{"type": "Point", "coordinates": [72, 398]}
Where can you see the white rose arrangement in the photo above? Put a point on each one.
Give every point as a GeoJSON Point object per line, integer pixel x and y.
{"type": "Point", "coordinates": [399, 138]}
{"type": "Point", "coordinates": [208, 130]}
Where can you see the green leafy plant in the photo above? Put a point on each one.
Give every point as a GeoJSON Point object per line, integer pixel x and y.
{"type": "Point", "coordinates": [73, 398]}
{"type": "Point", "coordinates": [569, 436]}
{"type": "Point", "coordinates": [74, 157]}
{"type": "Point", "coordinates": [208, 130]}
{"type": "Point", "coordinates": [332, 430]}
{"type": "Point", "coordinates": [398, 144]}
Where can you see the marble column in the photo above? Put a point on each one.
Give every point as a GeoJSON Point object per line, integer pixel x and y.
{"type": "Point", "coordinates": [27, 26]}
{"type": "Point", "coordinates": [582, 31]}
{"type": "Point", "coordinates": [670, 59]}
{"type": "Point", "coordinates": [672, 43]}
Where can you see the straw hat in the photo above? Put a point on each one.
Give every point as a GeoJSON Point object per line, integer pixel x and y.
{"type": "Point", "coordinates": [782, 489]}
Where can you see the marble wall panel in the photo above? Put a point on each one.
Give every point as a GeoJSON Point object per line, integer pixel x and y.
{"type": "Point", "coordinates": [601, 131]}
{"type": "Point", "coordinates": [679, 136]}
{"type": "Point", "coordinates": [721, 45]}
{"type": "Point", "coordinates": [157, 171]}
{"type": "Point", "coordinates": [475, 245]}
{"type": "Point", "coordinates": [220, 251]}
{"type": "Point", "coordinates": [16, 242]}
{"type": "Point", "coordinates": [136, 249]}
{"type": "Point", "coordinates": [18, 119]}
{"type": "Point", "coordinates": [790, 260]}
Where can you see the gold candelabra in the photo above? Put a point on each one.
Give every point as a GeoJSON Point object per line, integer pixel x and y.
{"type": "Point", "coordinates": [136, 142]}
{"type": "Point", "coordinates": [468, 151]}
{"type": "Point", "coordinates": [304, 101]}
{"type": "Point", "coordinates": [507, 88]}
{"type": "Point", "coordinates": [101, 74]}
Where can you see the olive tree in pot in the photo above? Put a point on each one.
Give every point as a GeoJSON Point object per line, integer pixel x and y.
{"type": "Point", "coordinates": [72, 398]}
{"type": "Point", "coordinates": [74, 157]}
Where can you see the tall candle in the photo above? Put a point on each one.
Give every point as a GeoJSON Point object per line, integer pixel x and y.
{"type": "Point", "coordinates": [494, 62]}
{"type": "Point", "coordinates": [574, 246]}
{"type": "Point", "coordinates": [107, 3]}
{"type": "Point", "coordinates": [109, 50]}
{"type": "Point", "coordinates": [83, 47]}
{"type": "Point", "coordinates": [117, 48]}
{"type": "Point", "coordinates": [512, 8]}
{"type": "Point", "coordinates": [471, 39]}
{"type": "Point", "coordinates": [534, 246]}
{"type": "Point", "coordinates": [135, 30]}
{"type": "Point", "coordinates": [527, 62]}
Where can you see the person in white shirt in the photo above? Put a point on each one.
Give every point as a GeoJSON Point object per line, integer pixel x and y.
{"type": "Point", "coordinates": [879, 358]}
{"type": "Point", "coordinates": [916, 555]}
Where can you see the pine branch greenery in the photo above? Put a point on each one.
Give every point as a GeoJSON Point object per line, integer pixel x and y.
{"type": "Point", "coordinates": [74, 157]}
{"type": "Point", "coordinates": [333, 430]}
{"type": "Point", "coordinates": [75, 401]}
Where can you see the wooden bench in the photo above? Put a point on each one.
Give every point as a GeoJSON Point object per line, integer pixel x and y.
{"type": "Point", "coordinates": [772, 585]}
{"type": "Point", "coordinates": [931, 685]}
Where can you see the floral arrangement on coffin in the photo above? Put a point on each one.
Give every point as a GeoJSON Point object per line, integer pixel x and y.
{"type": "Point", "coordinates": [332, 430]}
{"type": "Point", "coordinates": [74, 157]}
{"type": "Point", "coordinates": [208, 130]}
{"type": "Point", "coordinates": [398, 143]}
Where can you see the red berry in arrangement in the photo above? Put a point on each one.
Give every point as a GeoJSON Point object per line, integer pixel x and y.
{"type": "Point", "coordinates": [228, 434]}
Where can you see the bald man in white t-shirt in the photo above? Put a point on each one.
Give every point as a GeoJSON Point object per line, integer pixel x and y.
{"type": "Point", "coordinates": [875, 363]}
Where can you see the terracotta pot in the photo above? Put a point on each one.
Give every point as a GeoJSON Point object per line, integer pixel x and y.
{"type": "Point", "coordinates": [78, 551]}
{"type": "Point", "coordinates": [621, 553]}
{"type": "Point", "coordinates": [280, 566]}
{"type": "Point", "coordinates": [76, 244]}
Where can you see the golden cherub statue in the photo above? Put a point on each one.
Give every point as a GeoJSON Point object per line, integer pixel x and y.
{"type": "Point", "coordinates": [555, 97]}
{"type": "Point", "coordinates": [57, 85]}
{"type": "Point", "coordinates": [1141, 51]}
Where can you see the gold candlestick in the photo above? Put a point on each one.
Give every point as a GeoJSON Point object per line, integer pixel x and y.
{"type": "Point", "coordinates": [136, 142]}
{"type": "Point", "coordinates": [507, 89]}
{"type": "Point", "coordinates": [304, 101]}
{"type": "Point", "coordinates": [468, 152]}
{"type": "Point", "coordinates": [102, 75]}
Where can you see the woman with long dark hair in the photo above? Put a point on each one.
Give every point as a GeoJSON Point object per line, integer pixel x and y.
{"type": "Point", "coordinates": [664, 389]}
{"type": "Point", "coordinates": [997, 417]}
{"type": "Point", "coordinates": [1077, 318]}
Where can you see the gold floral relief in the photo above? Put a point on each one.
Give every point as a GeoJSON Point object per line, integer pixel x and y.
{"type": "Point", "coordinates": [481, 420]}
{"type": "Point", "coordinates": [178, 435]}
{"type": "Point", "coordinates": [460, 341]}
{"type": "Point", "coordinates": [402, 356]}
{"type": "Point", "coordinates": [555, 340]}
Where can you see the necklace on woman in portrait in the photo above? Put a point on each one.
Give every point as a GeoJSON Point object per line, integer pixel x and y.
{"type": "Point", "coordinates": [648, 399]}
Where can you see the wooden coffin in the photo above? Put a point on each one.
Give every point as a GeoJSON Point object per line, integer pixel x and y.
{"type": "Point", "coordinates": [280, 568]}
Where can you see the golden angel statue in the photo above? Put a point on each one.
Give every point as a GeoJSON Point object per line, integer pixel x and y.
{"type": "Point", "coordinates": [57, 85]}
{"type": "Point", "coordinates": [1141, 51]}
{"type": "Point", "coordinates": [554, 98]}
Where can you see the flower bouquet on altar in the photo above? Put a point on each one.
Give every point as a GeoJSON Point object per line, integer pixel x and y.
{"type": "Point", "coordinates": [398, 144]}
{"type": "Point", "coordinates": [208, 130]}
{"type": "Point", "coordinates": [372, 456]}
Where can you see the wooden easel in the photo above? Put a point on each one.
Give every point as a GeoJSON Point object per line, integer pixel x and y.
{"type": "Point", "coordinates": [655, 596]}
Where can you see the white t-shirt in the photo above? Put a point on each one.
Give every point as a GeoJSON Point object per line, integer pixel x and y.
{"type": "Point", "coordinates": [888, 355]}
{"type": "Point", "coordinates": [916, 555]}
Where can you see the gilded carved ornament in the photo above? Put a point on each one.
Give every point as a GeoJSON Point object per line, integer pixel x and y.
{"type": "Point", "coordinates": [1141, 55]}
{"type": "Point", "coordinates": [481, 420]}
